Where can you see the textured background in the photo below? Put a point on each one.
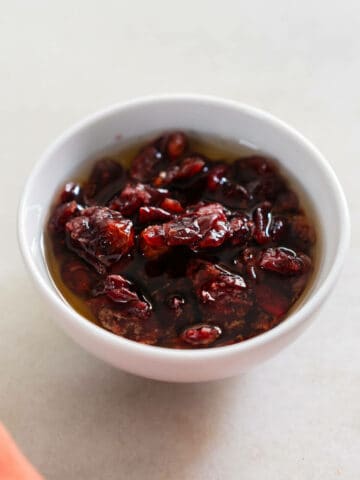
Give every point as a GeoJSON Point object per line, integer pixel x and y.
{"type": "Point", "coordinates": [296, 417]}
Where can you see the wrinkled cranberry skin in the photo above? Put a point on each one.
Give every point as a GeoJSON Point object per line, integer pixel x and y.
{"type": "Point", "coordinates": [172, 205]}
{"type": "Point", "coordinates": [284, 261]}
{"type": "Point", "coordinates": [182, 251]}
{"type": "Point", "coordinates": [222, 188]}
{"type": "Point", "coordinates": [201, 335]}
{"type": "Point", "coordinates": [62, 214]}
{"type": "Point", "coordinates": [118, 288]}
{"type": "Point", "coordinates": [176, 145]}
{"type": "Point", "coordinates": [133, 197]}
{"type": "Point", "coordinates": [100, 236]}
{"type": "Point", "coordinates": [130, 319]}
{"type": "Point", "coordinates": [106, 177]}
{"type": "Point", "coordinates": [71, 191]}
{"type": "Point", "coordinates": [205, 227]}
{"type": "Point", "coordinates": [153, 214]}
{"type": "Point", "coordinates": [217, 177]}
{"type": "Point", "coordinates": [188, 168]}
{"type": "Point", "coordinates": [222, 294]}
{"type": "Point", "coordinates": [241, 229]}
{"type": "Point", "coordinates": [252, 168]}
{"type": "Point", "coordinates": [272, 301]}
{"type": "Point", "coordinates": [145, 164]}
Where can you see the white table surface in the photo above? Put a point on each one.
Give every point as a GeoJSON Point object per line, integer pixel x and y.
{"type": "Point", "coordinates": [295, 417]}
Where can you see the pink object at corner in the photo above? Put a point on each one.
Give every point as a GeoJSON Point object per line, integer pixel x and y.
{"type": "Point", "coordinates": [13, 464]}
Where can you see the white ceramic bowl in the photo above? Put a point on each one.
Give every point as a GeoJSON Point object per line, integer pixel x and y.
{"type": "Point", "coordinates": [207, 115]}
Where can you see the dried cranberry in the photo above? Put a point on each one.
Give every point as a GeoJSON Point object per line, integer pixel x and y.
{"type": "Point", "coordinates": [272, 300]}
{"type": "Point", "coordinates": [284, 261]}
{"type": "Point", "coordinates": [212, 223]}
{"type": "Point", "coordinates": [152, 242]}
{"type": "Point", "coordinates": [217, 176]}
{"type": "Point", "coordinates": [145, 165]}
{"type": "Point", "coordinates": [266, 187]}
{"type": "Point", "coordinates": [153, 214]}
{"type": "Point", "coordinates": [240, 229]}
{"type": "Point", "coordinates": [224, 190]}
{"type": "Point", "coordinates": [131, 319]}
{"type": "Point", "coordinates": [221, 293]}
{"type": "Point", "coordinates": [107, 177]}
{"type": "Point", "coordinates": [188, 168]}
{"type": "Point", "coordinates": [100, 236]}
{"type": "Point", "coordinates": [204, 228]}
{"type": "Point", "coordinates": [251, 168]}
{"type": "Point", "coordinates": [62, 214]}
{"type": "Point", "coordinates": [278, 228]}
{"type": "Point", "coordinates": [176, 145]}
{"type": "Point", "coordinates": [71, 191]}
{"type": "Point", "coordinates": [135, 196]}
{"type": "Point", "coordinates": [117, 288]}
{"type": "Point", "coordinates": [201, 335]}
{"type": "Point", "coordinates": [171, 205]}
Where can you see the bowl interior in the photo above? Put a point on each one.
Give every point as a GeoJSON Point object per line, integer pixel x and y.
{"type": "Point", "coordinates": [121, 124]}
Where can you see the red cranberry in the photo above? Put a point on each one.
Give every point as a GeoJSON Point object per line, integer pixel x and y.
{"type": "Point", "coordinates": [100, 236]}
{"type": "Point", "coordinates": [188, 168]}
{"type": "Point", "coordinates": [250, 168]}
{"type": "Point", "coordinates": [153, 214]}
{"type": "Point", "coordinates": [117, 288]}
{"type": "Point", "coordinates": [222, 189]}
{"type": "Point", "coordinates": [145, 165]}
{"type": "Point", "coordinates": [240, 229]}
{"type": "Point", "coordinates": [71, 191]}
{"type": "Point", "coordinates": [284, 261]}
{"type": "Point", "coordinates": [201, 335]}
{"type": "Point", "coordinates": [176, 145]}
{"type": "Point", "coordinates": [171, 205]}
{"type": "Point", "coordinates": [152, 242]}
{"type": "Point", "coordinates": [135, 196]}
{"type": "Point", "coordinates": [222, 293]}
{"type": "Point", "coordinates": [278, 228]}
{"type": "Point", "coordinates": [266, 187]}
{"type": "Point", "coordinates": [103, 178]}
{"type": "Point", "coordinates": [217, 176]}
{"type": "Point", "coordinates": [204, 228]}
{"type": "Point", "coordinates": [131, 319]}
{"type": "Point", "coordinates": [62, 214]}
{"type": "Point", "coordinates": [272, 300]}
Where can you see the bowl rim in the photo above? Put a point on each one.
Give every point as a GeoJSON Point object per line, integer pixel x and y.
{"type": "Point", "coordinates": [310, 305]}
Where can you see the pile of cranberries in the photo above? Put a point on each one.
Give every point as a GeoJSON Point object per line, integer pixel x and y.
{"type": "Point", "coordinates": [182, 251]}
